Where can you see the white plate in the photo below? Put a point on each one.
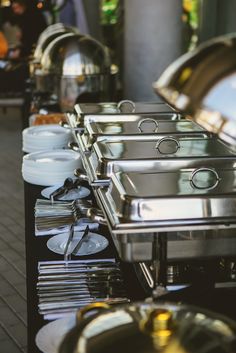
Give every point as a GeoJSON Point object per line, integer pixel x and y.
{"type": "Point", "coordinates": [31, 148]}
{"type": "Point", "coordinates": [72, 194]}
{"type": "Point", "coordinates": [50, 336]}
{"type": "Point", "coordinates": [57, 156]}
{"type": "Point", "coordinates": [46, 180]}
{"type": "Point", "coordinates": [92, 244]}
{"type": "Point", "coordinates": [55, 160]}
{"type": "Point", "coordinates": [46, 131]}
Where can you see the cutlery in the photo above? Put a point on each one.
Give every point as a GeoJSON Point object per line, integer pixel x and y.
{"type": "Point", "coordinates": [66, 255]}
{"type": "Point", "coordinates": [80, 242]}
{"type": "Point", "coordinates": [68, 185]}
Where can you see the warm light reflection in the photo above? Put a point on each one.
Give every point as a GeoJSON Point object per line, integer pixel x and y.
{"type": "Point", "coordinates": [107, 322]}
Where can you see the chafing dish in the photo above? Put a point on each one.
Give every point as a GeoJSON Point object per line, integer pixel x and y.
{"type": "Point", "coordinates": [132, 126]}
{"type": "Point", "coordinates": [46, 76]}
{"type": "Point", "coordinates": [83, 66]}
{"type": "Point", "coordinates": [73, 65]}
{"type": "Point", "coordinates": [136, 127]}
{"type": "Point", "coordinates": [124, 107]}
{"type": "Point", "coordinates": [138, 205]}
{"type": "Point", "coordinates": [166, 153]}
{"type": "Point", "coordinates": [45, 38]}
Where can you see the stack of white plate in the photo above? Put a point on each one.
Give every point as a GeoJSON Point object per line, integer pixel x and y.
{"type": "Point", "coordinates": [45, 137]}
{"type": "Point", "coordinates": [50, 167]}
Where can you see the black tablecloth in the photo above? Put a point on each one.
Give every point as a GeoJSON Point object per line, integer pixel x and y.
{"type": "Point", "coordinates": [202, 293]}
{"type": "Point", "coordinates": [36, 250]}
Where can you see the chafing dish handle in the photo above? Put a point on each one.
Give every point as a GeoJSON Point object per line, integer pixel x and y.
{"type": "Point", "coordinates": [211, 184]}
{"type": "Point", "coordinates": [72, 122]}
{"type": "Point", "coordinates": [145, 120]}
{"type": "Point", "coordinates": [96, 215]}
{"type": "Point", "coordinates": [80, 175]}
{"type": "Point", "coordinates": [168, 139]}
{"type": "Point", "coordinates": [64, 124]}
{"type": "Point", "coordinates": [126, 101]}
{"type": "Point", "coordinates": [73, 146]}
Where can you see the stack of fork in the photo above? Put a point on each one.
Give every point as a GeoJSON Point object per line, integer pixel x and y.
{"type": "Point", "coordinates": [58, 214]}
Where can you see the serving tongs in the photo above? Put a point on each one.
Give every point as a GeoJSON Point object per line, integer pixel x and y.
{"type": "Point", "coordinates": [81, 240]}
{"type": "Point", "coordinates": [67, 256]}
{"type": "Point", "coordinates": [69, 184]}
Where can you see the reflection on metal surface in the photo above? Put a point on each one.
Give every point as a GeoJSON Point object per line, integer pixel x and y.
{"type": "Point", "coordinates": [152, 328]}
{"type": "Point", "coordinates": [203, 84]}
{"type": "Point", "coordinates": [77, 65]}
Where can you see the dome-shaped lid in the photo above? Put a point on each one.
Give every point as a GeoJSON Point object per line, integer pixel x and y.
{"type": "Point", "coordinates": [152, 328]}
{"type": "Point", "coordinates": [48, 36]}
{"type": "Point", "coordinates": [50, 29]}
{"type": "Point", "coordinates": [74, 55]}
{"type": "Point", "coordinates": [203, 84]}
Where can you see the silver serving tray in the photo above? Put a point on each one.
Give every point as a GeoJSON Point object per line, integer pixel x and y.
{"type": "Point", "coordinates": [160, 154]}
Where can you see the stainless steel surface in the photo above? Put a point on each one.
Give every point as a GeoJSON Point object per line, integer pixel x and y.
{"type": "Point", "coordinates": [48, 35]}
{"type": "Point", "coordinates": [112, 107]}
{"type": "Point", "coordinates": [171, 154]}
{"type": "Point", "coordinates": [50, 216]}
{"type": "Point", "coordinates": [186, 240]}
{"type": "Point", "coordinates": [80, 242]}
{"type": "Point", "coordinates": [67, 256]}
{"type": "Point", "coordinates": [62, 190]}
{"type": "Point", "coordinates": [150, 327]}
{"type": "Point", "coordinates": [140, 123]}
{"type": "Point", "coordinates": [108, 109]}
{"type": "Point", "coordinates": [47, 75]}
{"type": "Point", "coordinates": [81, 64]}
{"type": "Point", "coordinates": [65, 286]}
{"type": "Point", "coordinates": [204, 194]}
{"type": "Point", "coordinates": [202, 83]}
{"type": "Point", "coordinates": [76, 55]}
{"type": "Point", "coordinates": [137, 127]}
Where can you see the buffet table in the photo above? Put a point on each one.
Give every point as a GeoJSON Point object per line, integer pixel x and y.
{"type": "Point", "coordinates": [36, 250]}
{"type": "Point", "coordinates": [202, 293]}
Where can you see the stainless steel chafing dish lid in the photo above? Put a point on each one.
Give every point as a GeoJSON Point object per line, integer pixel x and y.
{"type": "Point", "coordinates": [202, 83]}
{"type": "Point", "coordinates": [123, 107]}
{"type": "Point", "coordinates": [48, 37]}
{"type": "Point", "coordinates": [76, 55]}
{"type": "Point", "coordinates": [139, 125]}
{"type": "Point", "coordinates": [137, 155]}
{"type": "Point", "coordinates": [149, 328]}
{"type": "Point", "coordinates": [202, 195]}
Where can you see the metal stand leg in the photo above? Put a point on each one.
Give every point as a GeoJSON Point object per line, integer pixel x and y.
{"type": "Point", "coordinates": [159, 261]}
